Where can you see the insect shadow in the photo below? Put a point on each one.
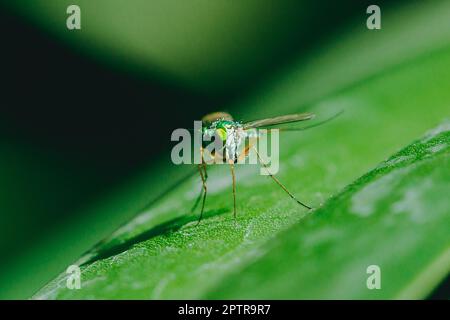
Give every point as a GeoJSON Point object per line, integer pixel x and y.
{"type": "Point", "coordinates": [170, 226]}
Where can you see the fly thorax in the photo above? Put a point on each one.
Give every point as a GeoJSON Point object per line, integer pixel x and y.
{"type": "Point", "coordinates": [235, 142]}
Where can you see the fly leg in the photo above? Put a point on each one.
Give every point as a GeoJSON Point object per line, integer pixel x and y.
{"type": "Point", "coordinates": [204, 176]}
{"type": "Point", "coordinates": [197, 201]}
{"type": "Point", "coordinates": [279, 183]}
{"type": "Point", "coordinates": [201, 167]}
{"type": "Point", "coordinates": [233, 176]}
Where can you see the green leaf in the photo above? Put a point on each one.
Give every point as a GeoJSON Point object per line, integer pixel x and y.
{"type": "Point", "coordinates": [394, 217]}
{"type": "Point", "coordinates": [393, 86]}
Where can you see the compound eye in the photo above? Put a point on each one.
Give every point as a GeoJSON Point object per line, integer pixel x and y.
{"type": "Point", "coordinates": [222, 134]}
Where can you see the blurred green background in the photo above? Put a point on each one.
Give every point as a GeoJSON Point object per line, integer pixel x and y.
{"type": "Point", "coordinates": [87, 114]}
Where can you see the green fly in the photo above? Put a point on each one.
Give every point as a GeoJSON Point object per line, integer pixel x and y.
{"type": "Point", "coordinates": [238, 140]}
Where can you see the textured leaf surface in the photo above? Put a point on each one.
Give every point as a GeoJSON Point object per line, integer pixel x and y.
{"type": "Point", "coordinates": [395, 90]}
{"type": "Point", "coordinates": [395, 217]}
{"type": "Point", "coordinates": [160, 254]}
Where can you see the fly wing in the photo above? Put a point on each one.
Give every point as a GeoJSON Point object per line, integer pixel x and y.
{"type": "Point", "coordinates": [278, 120]}
{"type": "Point", "coordinates": [315, 124]}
